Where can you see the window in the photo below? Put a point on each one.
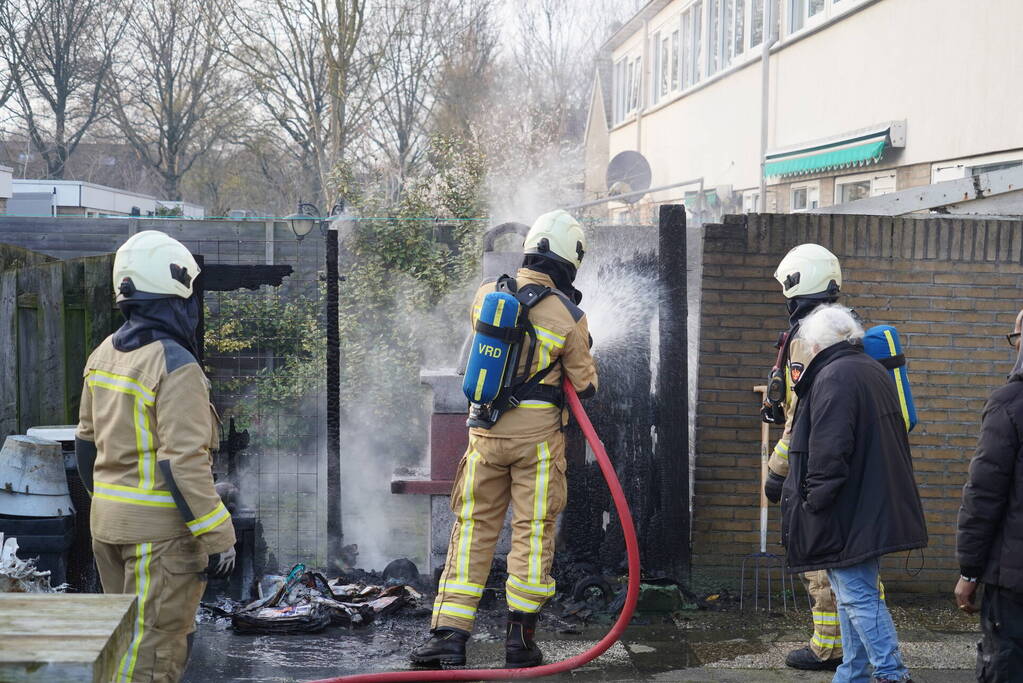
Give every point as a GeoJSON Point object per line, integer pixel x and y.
{"type": "Point", "coordinates": [851, 188]}
{"type": "Point", "coordinates": [635, 76]}
{"type": "Point", "coordinates": [626, 76]}
{"type": "Point", "coordinates": [756, 31]}
{"type": "Point", "coordinates": [803, 13]}
{"type": "Point", "coordinates": [750, 201]}
{"type": "Point", "coordinates": [805, 196]}
{"type": "Point", "coordinates": [850, 192]}
{"type": "Point", "coordinates": [692, 20]}
{"type": "Point", "coordinates": [1002, 166]}
{"type": "Point", "coordinates": [739, 27]}
{"type": "Point", "coordinates": [715, 8]}
{"type": "Point", "coordinates": [664, 67]}
{"type": "Point", "coordinates": [674, 60]}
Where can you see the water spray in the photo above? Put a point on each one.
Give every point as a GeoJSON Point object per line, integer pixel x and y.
{"type": "Point", "coordinates": [631, 595]}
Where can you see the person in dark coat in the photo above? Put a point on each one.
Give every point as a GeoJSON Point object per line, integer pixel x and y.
{"type": "Point", "coordinates": [989, 538]}
{"type": "Point", "coordinates": [850, 495]}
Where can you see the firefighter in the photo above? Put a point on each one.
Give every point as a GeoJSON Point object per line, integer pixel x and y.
{"type": "Point", "coordinates": [519, 459]}
{"type": "Point", "coordinates": [810, 275]}
{"type": "Point", "coordinates": [143, 444]}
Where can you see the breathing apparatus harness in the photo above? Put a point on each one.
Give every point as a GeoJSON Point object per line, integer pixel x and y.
{"type": "Point", "coordinates": [514, 388]}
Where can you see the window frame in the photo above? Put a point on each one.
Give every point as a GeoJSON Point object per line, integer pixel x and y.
{"type": "Point", "coordinates": [871, 177]}
{"type": "Point", "coordinates": [810, 187]}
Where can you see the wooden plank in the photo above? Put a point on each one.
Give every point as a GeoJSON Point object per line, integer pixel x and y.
{"type": "Point", "coordinates": [51, 637]}
{"type": "Point", "coordinates": [28, 351]}
{"type": "Point", "coordinates": [99, 300]}
{"type": "Point", "coordinates": [52, 384]}
{"type": "Point", "coordinates": [75, 341]}
{"type": "Point", "coordinates": [8, 353]}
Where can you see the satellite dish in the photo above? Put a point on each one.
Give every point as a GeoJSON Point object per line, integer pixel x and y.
{"type": "Point", "coordinates": [628, 172]}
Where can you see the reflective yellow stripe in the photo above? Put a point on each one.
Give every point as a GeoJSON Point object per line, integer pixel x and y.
{"type": "Point", "coordinates": [133, 495]}
{"type": "Point", "coordinates": [498, 312]}
{"type": "Point", "coordinates": [826, 641]}
{"type": "Point", "coordinates": [543, 469]}
{"type": "Point", "coordinates": [143, 556]}
{"type": "Point", "coordinates": [552, 337]}
{"type": "Point", "coordinates": [534, 404]}
{"type": "Point", "coordinates": [544, 589]}
{"type": "Point", "coordinates": [880, 587]}
{"type": "Point", "coordinates": [209, 521]}
{"type": "Point", "coordinates": [825, 617]}
{"type": "Point", "coordinates": [782, 450]}
{"type": "Point", "coordinates": [898, 380]}
{"type": "Point", "coordinates": [122, 383]}
{"type": "Point", "coordinates": [473, 589]}
{"type": "Point", "coordinates": [460, 611]}
{"type": "Point", "coordinates": [143, 435]}
{"type": "Point", "coordinates": [479, 383]}
{"type": "Point", "coordinates": [521, 604]}
{"type": "Point", "coordinates": [465, 516]}
{"type": "Point", "coordinates": [144, 443]}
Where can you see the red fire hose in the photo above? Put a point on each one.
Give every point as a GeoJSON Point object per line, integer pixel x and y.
{"type": "Point", "coordinates": [631, 596]}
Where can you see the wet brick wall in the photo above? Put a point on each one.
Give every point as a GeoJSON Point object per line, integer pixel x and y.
{"type": "Point", "coordinates": [952, 287]}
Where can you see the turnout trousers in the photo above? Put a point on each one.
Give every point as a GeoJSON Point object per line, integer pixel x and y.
{"type": "Point", "coordinates": [528, 473]}
{"type": "Point", "coordinates": [826, 641]}
{"type": "Point", "coordinates": [166, 576]}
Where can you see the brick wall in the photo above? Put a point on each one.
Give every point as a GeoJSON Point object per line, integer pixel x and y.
{"type": "Point", "coordinates": [952, 287]}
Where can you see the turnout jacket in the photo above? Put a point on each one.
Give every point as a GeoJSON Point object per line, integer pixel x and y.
{"type": "Point", "coordinates": [563, 340]}
{"type": "Point", "coordinates": [850, 494]}
{"type": "Point", "coordinates": [989, 538]}
{"type": "Point", "coordinates": [149, 416]}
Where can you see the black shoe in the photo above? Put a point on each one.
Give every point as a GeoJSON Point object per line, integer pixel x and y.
{"type": "Point", "coordinates": [446, 647]}
{"type": "Point", "coordinates": [805, 660]}
{"type": "Point", "coordinates": [520, 651]}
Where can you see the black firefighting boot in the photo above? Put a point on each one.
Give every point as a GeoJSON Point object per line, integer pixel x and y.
{"type": "Point", "coordinates": [520, 651]}
{"type": "Point", "coordinates": [806, 660]}
{"type": "Point", "coordinates": [446, 647]}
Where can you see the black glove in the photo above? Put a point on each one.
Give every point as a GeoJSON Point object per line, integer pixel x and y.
{"type": "Point", "coordinates": [772, 487]}
{"type": "Point", "coordinates": [772, 414]}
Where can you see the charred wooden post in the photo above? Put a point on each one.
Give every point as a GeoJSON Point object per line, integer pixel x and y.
{"type": "Point", "coordinates": [334, 530]}
{"type": "Point", "coordinates": [672, 403]}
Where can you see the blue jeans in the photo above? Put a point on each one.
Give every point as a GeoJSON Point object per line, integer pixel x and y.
{"type": "Point", "coordinates": [868, 634]}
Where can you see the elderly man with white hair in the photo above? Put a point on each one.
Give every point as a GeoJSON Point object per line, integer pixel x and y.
{"type": "Point", "coordinates": [850, 495]}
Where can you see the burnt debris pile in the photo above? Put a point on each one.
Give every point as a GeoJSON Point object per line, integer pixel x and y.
{"type": "Point", "coordinates": [307, 602]}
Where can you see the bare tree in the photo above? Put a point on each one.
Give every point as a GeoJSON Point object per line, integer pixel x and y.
{"type": "Point", "coordinates": [406, 78]}
{"type": "Point", "coordinates": [172, 95]}
{"type": "Point", "coordinates": [278, 47]}
{"type": "Point", "coordinates": [466, 79]}
{"type": "Point", "coordinates": [310, 64]}
{"type": "Point", "coordinates": [59, 53]}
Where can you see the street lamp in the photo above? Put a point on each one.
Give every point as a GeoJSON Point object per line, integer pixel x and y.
{"type": "Point", "coordinates": [307, 216]}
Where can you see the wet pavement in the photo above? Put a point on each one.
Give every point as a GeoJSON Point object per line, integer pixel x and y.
{"type": "Point", "coordinates": [938, 642]}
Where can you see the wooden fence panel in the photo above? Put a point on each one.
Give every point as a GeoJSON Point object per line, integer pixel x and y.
{"type": "Point", "coordinates": [51, 317]}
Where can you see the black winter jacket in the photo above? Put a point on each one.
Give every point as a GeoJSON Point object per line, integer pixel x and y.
{"type": "Point", "coordinates": [989, 540]}
{"type": "Point", "coordinates": [850, 494]}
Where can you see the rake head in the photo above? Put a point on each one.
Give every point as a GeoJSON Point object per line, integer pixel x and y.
{"type": "Point", "coordinates": [762, 565]}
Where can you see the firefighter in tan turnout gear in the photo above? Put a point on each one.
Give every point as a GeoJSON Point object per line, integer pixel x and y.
{"type": "Point", "coordinates": [519, 459]}
{"type": "Point", "coordinates": [810, 275]}
{"type": "Point", "coordinates": [143, 444]}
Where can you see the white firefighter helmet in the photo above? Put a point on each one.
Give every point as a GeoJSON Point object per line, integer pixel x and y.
{"type": "Point", "coordinates": [807, 270]}
{"type": "Point", "coordinates": [154, 265]}
{"type": "Point", "coordinates": [556, 234]}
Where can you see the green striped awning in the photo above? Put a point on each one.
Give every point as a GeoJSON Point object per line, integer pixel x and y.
{"type": "Point", "coordinates": [801, 163]}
